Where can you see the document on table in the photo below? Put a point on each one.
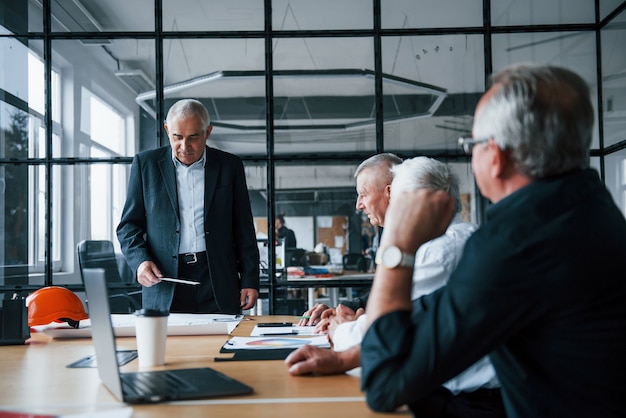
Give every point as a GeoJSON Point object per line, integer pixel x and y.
{"type": "Point", "coordinates": [273, 343]}
{"type": "Point", "coordinates": [177, 324]}
{"type": "Point", "coordinates": [293, 330]}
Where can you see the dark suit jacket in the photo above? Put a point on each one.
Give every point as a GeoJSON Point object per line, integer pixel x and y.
{"type": "Point", "coordinates": [150, 226]}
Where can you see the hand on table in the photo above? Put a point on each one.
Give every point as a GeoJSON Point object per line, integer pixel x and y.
{"type": "Point", "coordinates": [311, 359]}
{"type": "Point", "coordinates": [312, 316]}
{"type": "Point", "coordinates": [331, 318]}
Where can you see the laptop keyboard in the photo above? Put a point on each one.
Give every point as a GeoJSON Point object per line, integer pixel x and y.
{"type": "Point", "coordinates": [142, 383]}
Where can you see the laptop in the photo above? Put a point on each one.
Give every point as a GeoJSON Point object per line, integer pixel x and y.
{"type": "Point", "coordinates": [147, 386]}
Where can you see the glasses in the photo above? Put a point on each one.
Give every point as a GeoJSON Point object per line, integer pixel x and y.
{"type": "Point", "coordinates": [467, 143]}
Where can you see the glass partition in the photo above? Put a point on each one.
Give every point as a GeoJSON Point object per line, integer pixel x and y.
{"type": "Point", "coordinates": [542, 12]}
{"type": "Point", "coordinates": [317, 15]}
{"type": "Point", "coordinates": [608, 6]}
{"type": "Point", "coordinates": [442, 110]}
{"type": "Point", "coordinates": [324, 94]}
{"type": "Point", "coordinates": [21, 17]}
{"type": "Point", "coordinates": [24, 194]}
{"type": "Point", "coordinates": [101, 16]}
{"type": "Point", "coordinates": [93, 198]}
{"type": "Point", "coordinates": [231, 85]}
{"type": "Point", "coordinates": [614, 80]}
{"type": "Point", "coordinates": [99, 88]}
{"type": "Point", "coordinates": [65, 152]}
{"type": "Point", "coordinates": [616, 177]}
{"type": "Point", "coordinates": [573, 50]}
{"type": "Point", "coordinates": [310, 196]}
{"type": "Point", "coordinates": [404, 14]}
{"type": "Point", "coordinates": [214, 15]}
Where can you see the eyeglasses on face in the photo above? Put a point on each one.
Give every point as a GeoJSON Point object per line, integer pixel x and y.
{"type": "Point", "coordinates": [467, 143]}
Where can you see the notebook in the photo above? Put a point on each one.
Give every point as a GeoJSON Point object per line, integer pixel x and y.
{"type": "Point", "coordinates": [146, 386]}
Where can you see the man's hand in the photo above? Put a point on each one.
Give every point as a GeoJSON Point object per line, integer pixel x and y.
{"type": "Point", "coordinates": [148, 274]}
{"type": "Point", "coordinates": [248, 298]}
{"type": "Point", "coordinates": [314, 315]}
{"type": "Point", "coordinates": [311, 359]}
{"type": "Point", "coordinates": [415, 217]}
{"type": "Point", "coordinates": [332, 318]}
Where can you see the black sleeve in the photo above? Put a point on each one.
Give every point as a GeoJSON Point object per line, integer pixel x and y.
{"type": "Point", "coordinates": [357, 303]}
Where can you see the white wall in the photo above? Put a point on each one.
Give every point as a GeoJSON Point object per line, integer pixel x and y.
{"type": "Point", "coordinates": [302, 226]}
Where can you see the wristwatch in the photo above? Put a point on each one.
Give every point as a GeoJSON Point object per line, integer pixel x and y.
{"type": "Point", "coordinates": [391, 257]}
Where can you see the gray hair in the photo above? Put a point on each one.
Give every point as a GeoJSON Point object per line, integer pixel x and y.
{"type": "Point", "coordinates": [542, 115]}
{"type": "Point", "coordinates": [428, 173]}
{"type": "Point", "coordinates": [384, 162]}
{"type": "Point", "coordinates": [187, 108]}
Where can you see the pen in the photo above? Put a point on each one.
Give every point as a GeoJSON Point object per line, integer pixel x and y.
{"type": "Point", "coordinates": [280, 333]}
{"type": "Point", "coordinates": [305, 317]}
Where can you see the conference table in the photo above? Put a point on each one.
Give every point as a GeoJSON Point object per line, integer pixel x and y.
{"type": "Point", "coordinates": [35, 380]}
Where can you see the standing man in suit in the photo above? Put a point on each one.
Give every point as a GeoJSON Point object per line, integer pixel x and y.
{"type": "Point", "coordinates": [188, 214]}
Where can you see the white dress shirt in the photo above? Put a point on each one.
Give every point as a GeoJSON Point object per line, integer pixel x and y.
{"type": "Point", "coordinates": [434, 262]}
{"type": "Point", "coordinates": [190, 191]}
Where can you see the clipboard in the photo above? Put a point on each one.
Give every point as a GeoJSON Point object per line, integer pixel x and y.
{"type": "Point", "coordinates": [249, 355]}
{"type": "Point", "coordinates": [266, 348]}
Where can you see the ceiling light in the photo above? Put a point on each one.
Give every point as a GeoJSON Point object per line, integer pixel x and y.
{"type": "Point", "coordinates": [303, 99]}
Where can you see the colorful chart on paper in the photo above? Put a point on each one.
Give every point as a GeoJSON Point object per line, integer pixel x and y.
{"type": "Point", "coordinates": [279, 342]}
{"type": "Point", "coordinates": [268, 343]}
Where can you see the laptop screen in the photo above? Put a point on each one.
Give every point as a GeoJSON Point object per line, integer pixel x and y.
{"type": "Point", "coordinates": [146, 386]}
{"type": "Point", "coordinates": [102, 334]}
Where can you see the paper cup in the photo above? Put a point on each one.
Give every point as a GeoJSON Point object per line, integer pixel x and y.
{"type": "Point", "coordinates": [151, 332]}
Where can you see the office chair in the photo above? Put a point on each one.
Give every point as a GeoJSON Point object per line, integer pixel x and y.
{"type": "Point", "coordinates": [100, 254]}
{"type": "Point", "coordinates": [317, 259]}
{"type": "Point", "coordinates": [355, 262]}
{"type": "Point", "coordinates": [296, 257]}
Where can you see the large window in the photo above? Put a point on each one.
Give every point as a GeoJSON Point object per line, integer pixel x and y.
{"type": "Point", "coordinates": [301, 91]}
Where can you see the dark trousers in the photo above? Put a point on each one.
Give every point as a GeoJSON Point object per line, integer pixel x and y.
{"type": "Point", "coordinates": [482, 403]}
{"type": "Point", "coordinates": [194, 299]}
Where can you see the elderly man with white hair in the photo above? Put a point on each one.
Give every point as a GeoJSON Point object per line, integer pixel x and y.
{"type": "Point", "coordinates": [474, 392]}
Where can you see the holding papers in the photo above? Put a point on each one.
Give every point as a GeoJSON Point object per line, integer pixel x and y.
{"type": "Point", "coordinates": [273, 343]}
{"type": "Point", "coordinates": [269, 338]}
{"type": "Point", "coordinates": [293, 330]}
{"type": "Point", "coordinates": [177, 324]}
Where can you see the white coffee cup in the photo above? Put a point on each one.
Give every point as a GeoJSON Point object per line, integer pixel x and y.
{"type": "Point", "coordinates": [151, 332]}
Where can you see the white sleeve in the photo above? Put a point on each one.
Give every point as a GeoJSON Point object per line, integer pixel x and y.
{"type": "Point", "coordinates": [349, 334]}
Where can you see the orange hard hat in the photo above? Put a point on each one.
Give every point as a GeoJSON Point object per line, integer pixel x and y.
{"type": "Point", "coordinates": [54, 304]}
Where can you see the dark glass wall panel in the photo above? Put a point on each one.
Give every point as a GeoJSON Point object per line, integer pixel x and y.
{"type": "Point", "coordinates": [214, 15]}
{"type": "Point", "coordinates": [407, 14]}
{"type": "Point", "coordinates": [446, 69]}
{"type": "Point", "coordinates": [542, 12]}
{"type": "Point", "coordinates": [318, 15]}
{"type": "Point", "coordinates": [614, 80]}
{"type": "Point", "coordinates": [573, 50]}
{"type": "Point", "coordinates": [228, 77]}
{"type": "Point", "coordinates": [324, 96]}
{"type": "Point", "coordinates": [102, 16]}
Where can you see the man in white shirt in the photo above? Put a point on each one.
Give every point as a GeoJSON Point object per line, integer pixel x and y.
{"type": "Point", "coordinates": [373, 186]}
{"type": "Point", "coordinates": [472, 392]}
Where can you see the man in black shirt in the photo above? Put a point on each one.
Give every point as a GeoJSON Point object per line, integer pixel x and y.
{"type": "Point", "coordinates": [540, 286]}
